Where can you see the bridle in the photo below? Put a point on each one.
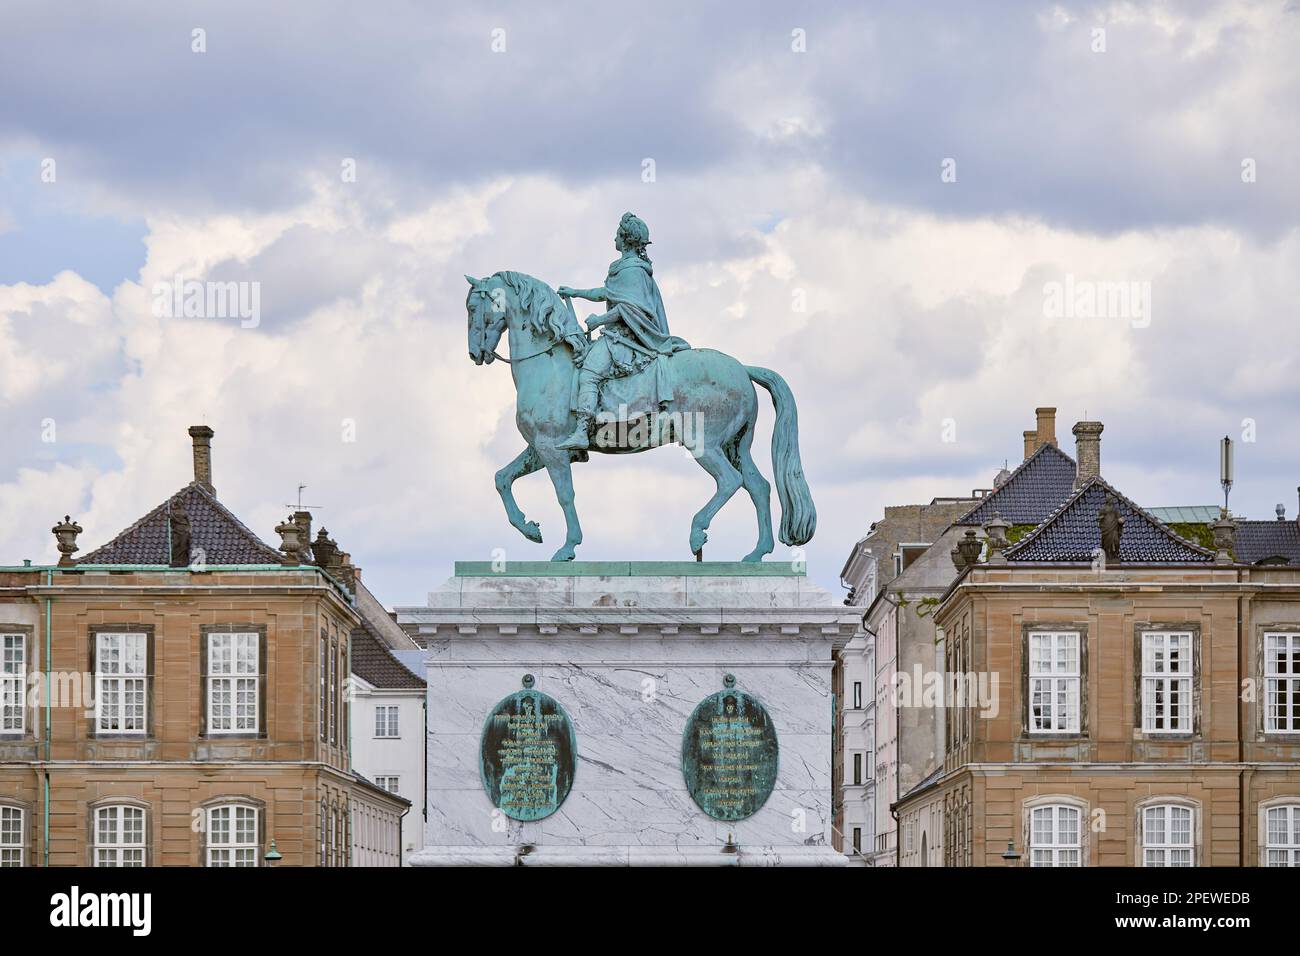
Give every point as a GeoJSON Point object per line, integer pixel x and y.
{"type": "Point", "coordinates": [542, 351]}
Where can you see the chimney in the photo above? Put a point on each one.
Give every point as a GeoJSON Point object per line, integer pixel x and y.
{"type": "Point", "coordinates": [1031, 443]}
{"type": "Point", "coordinates": [202, 436]}
{"type": "Point", "coordinates": [1046, 433]}
{"type": "Point", "coordinates": [1087, 443]}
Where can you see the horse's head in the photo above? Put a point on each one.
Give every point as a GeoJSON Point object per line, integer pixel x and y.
{"type": "Point", "coordinates": [486, 306]}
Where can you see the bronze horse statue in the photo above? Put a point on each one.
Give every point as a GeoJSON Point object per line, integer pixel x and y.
{"type": "Point", "coordinates": [709, 387]}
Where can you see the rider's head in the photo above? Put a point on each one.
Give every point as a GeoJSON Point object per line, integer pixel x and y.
{"type": "Point", "coordinates": [634, 233]}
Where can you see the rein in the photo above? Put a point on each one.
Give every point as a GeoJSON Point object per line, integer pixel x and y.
{"type": "Point", "coordinates": [554, 343]}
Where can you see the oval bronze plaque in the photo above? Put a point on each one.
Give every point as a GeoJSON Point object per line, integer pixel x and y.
{"type": "Point", "coordinates": [730, 754]}
{"type": "Point", "coordinates": [527, 754]}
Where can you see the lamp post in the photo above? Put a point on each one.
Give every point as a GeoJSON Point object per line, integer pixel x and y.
{"type": "Point", "coordinates": [1010, 854]}
{"type": "Point", "coordinates": [272, 856]}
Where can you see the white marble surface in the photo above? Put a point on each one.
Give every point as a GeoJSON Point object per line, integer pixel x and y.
{"type": "Point", "coordinates": [629, 675]}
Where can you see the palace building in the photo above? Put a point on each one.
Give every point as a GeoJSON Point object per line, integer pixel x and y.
{"type": "Point", "coordinates": [1146, 702]}
{"type": "Point", "coordinates": [177, 697]}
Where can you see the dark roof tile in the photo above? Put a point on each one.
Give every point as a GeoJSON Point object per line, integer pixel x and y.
{"type": "Point", "coordinates": [1261, 540]}
{"type": "Point", "coordinates": [374, 663]}
{"type": "Point", "coordinates": [1032, 492]}
{"type": "Point", "coordinates": [223, 538]}
{"type": "Point", "coordinates": [1072, 534]}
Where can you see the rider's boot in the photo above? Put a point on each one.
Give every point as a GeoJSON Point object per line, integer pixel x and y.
{"type": "Point", "coordinates": [588, 383]}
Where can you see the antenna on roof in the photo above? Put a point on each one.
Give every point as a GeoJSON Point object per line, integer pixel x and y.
{"type": "Point", "coordinates": [300, 506]}
{"type": "Point", "coordinates": [1225, 469]}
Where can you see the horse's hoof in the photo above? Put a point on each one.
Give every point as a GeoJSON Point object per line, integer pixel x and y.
{"type": "Point", "coordinates": [532, 531]}
{"type": "Point", "coordinates": [754, 557]}
{"type": "Point", "coordinates": [698, 538]}
{"type": "Point", "coordinates": [564, 554]}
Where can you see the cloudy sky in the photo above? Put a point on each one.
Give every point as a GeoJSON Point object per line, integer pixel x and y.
{"type": "Point", "coordinates": [874, 200]}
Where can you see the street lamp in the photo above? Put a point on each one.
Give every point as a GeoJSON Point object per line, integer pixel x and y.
{"type": "Point", "coordinates": [1010, 855]}
{"type": "Point", "coordinates": [272, 855]}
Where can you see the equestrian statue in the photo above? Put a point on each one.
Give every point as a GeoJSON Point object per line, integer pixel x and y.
{"type": "Point", "coordinates": [633, 388]}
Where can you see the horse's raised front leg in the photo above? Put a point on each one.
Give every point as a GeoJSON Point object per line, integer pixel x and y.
{"type": "Point", "coordinates": [558, 467]}
{"type": "Point", "coordinates": [715, 462]}
{"type": "Point", "coordinates": [525, 463]}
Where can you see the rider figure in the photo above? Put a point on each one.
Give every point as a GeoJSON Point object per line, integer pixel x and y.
{"type": "Point", "coordinates": [635, 327]}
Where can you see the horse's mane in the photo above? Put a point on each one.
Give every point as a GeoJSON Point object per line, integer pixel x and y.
{"type": "Point", "coordinates": [545, 312]}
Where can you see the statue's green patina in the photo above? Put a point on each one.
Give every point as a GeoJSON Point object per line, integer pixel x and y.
{"type": "Point", "coordinates": [636, 387]}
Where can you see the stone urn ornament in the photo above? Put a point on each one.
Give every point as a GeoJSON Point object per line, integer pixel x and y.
{"type": "Point", "coordinates": [291, 543]}
{"type": "Point", "coordinates": [65, 532]}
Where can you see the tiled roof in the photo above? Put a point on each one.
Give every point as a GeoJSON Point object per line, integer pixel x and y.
{"type": "Point", "coordinates": [1033, 491]}
{"type": "Point", "coordinates": [374, 663]}
{"type": "Point", "coordinates": [1259, 540]}
{"type": "Point", "coordinates": [223, 538]}
{"type": "Point", "coordinates": [1072, 533]}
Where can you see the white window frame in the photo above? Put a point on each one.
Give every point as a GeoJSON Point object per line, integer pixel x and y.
{"type": "Point", "coordinates": [857, 695]}
{"type": "Point", "coordinates": [224, 846]}
{"type": "Point", "coordinates": [124, 847]}
{"type": "Point", "coordinates": [1284, 852]}
{"type": "Point", "coordinates": [13, 836]}
{"type": "Point", "coordinates": [1047, 823]}
{"type": "Point", "coordinates": [387, 727]}
{"type": "Point", "coordinates": [389, 782]}
{"type": "Point", "coordinates": [228, 677]}
{"type": "Point", "coordinates": [13, 683]}
{"type": "Point", "coordinates": [1056, 681]}
{"type": "Point", "coordinates": [120, 678]}
{"type": "Point", "coordinates": [1160, 683]}
{"type": "Point", "coordinates": [1282, 684]}
{"type": "Point", "coordinates": [1158, 846]}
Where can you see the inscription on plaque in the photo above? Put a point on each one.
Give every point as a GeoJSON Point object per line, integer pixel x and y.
{"type": "Point", "coordinates": [729, 754]}
{"type": "Point", "coordinates": [527, 755]}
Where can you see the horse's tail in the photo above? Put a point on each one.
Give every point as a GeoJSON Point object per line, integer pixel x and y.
{"type": "Point", "coordinates": [798, 514]}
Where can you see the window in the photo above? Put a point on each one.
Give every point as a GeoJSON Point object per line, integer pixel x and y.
{"type": "Point", "coordinates": [387, 783]}
{"type": "Point", "coordinates": [1166, 683]}
{"type": "Point", "coordinates": [1167, 836]}
{"type": "Point", "coordinates": [334, 686]}
{"type": "Point", "coordinates": [324, 827]}
{"type": "Point", "coordinates": [232, 836]}
{"type": "Point", "coordinates": [1282, 683]}
{"type": "Point", "coordinates": [857, 770]}
{"type": "Point", "coordinates": [1054, 682]}
{"type": "Point", "coordinates": [1055, 837]}
{"type": "Point", "coordinates": [345, 687]}
{"type": "Point", "coordinates": [857, 839]}
{"type": "Point", "coordinates": [386, 721]}
{"type": "Point", "coordinates": [1282, 842]}
{"type": "Point", "coordinates": [857, 695]}
{"type": "Point", "coordinates": [232, 683]}
{"type": "Point", "coordinates": [121, 683]}
{"type": "Point", "coordinates": [13, 681]}
{"type": "Point", "coordinates": [119, 836]}
{"type": "Point", "coordinates": [11, 836]}
{"type": "Point", "coordinates": [324, 686]}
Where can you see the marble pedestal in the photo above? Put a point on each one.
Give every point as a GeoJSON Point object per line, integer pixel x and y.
{"type": "Point", "coordinates": [629, 649]}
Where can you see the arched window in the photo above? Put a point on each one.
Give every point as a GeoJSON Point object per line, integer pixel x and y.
{"type": "Point", "coordinates": [13, 835]}
{"type": "Point", "coordinates": [1169, 833]}
{"type": "Point", "coordinates": [1055, 836]}
{"type": "Point", "coordinates": [233, 835]}
{"type": "Point", "coordinates": [1280, 833]}
{"type": "Point", "coordinates": [119, 836]}
{"type": "Point", "coordinates": [1054, 830]}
